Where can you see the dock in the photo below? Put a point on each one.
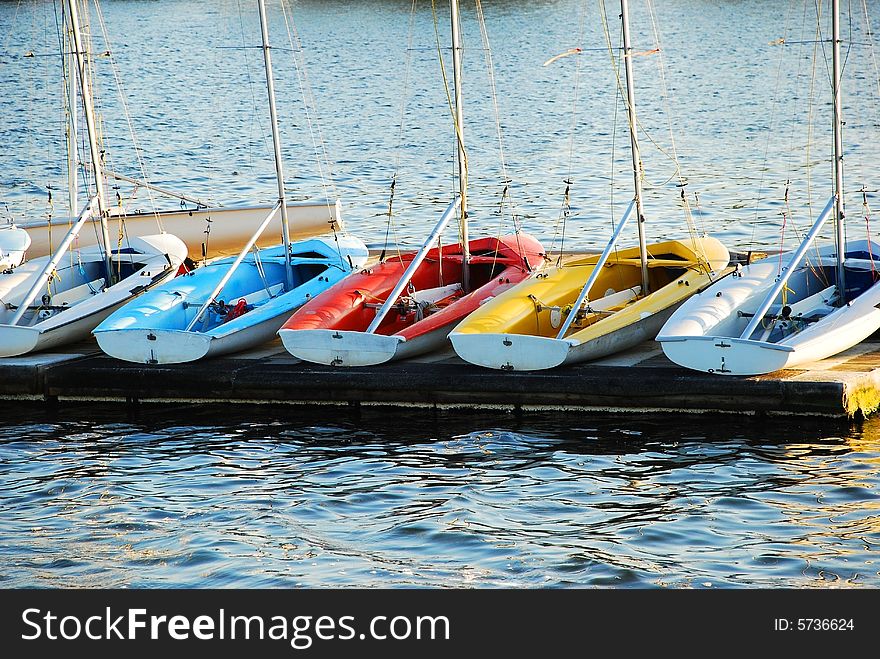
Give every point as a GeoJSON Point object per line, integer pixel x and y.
{"type": "Point", "coordinates": [639, 380]}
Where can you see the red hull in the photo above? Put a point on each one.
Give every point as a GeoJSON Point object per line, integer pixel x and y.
{"type": "Point", "coordinates": [496, 264]}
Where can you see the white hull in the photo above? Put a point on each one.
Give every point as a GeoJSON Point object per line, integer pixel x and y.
{"type": "Point", "coordinates": [178, 346]}
{"type": "Point", "coordinates": [835, 333]}
{"type": "Point", "coordinates": [340, 348]}
{"type": "Point", "coordinates": [82, 314]}
{"type": "Point", "coordinates": [349, 348]}
{"type": "Point", "coordinates": [705, 333]}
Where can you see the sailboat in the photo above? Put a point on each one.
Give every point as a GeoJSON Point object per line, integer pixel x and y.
{"type": "Point", "coordinates": [52, 300]}
{"type": "Point", "coordinates": [405, 306]}
{"type": "Point", "coordinates": [237, 302]}
{"type": "Point", "coordinates": [765, 318]}
{"type": "Point", "coordinates": [594, 306]}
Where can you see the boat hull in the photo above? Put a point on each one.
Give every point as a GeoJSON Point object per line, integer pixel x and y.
{"type": "Point", "coordinates": [331, 329]}
{"type": "Point", "coordinates": [154, 329]}
{"type": "Point", "coordinates": [207, 232]}
{"type": "Point", "coordinates": [522, 324]}
{"type": "Point", "coordinates": [705, 333]}
{"type": "Point", "coordinates": [82, 313]}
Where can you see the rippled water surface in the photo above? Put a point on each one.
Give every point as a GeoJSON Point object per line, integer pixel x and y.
{"type": "Point", "coordinates": [743, 116]}
{"type": "Point", "coordinates": [267, 498]}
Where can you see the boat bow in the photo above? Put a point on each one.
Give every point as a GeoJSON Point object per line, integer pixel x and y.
{"type": "Point", "coordinates": [511, 352]}
{"type": "Point", "coordinates": [340, 347]}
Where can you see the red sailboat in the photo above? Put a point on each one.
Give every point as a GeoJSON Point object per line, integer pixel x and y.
{"type": "Point", "coordinates": [407, 305]}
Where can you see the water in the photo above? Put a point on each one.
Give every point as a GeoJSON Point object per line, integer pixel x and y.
{"type": "Point", "coordinates": [267, 497]}
{"type": "Point", "coordinates": [745, 116]}
{"type": "Point", "coordinates": [198, 497]}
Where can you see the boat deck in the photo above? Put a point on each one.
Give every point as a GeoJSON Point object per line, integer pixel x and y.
{"type": "Point", "coordinates": [639, 380]}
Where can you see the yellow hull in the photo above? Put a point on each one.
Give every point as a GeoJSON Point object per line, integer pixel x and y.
{"type": "Point", "coordinates": [617, 316]}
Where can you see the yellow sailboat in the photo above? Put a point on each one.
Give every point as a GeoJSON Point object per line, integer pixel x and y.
{"type": "Point", "coordinates": [592, 306]}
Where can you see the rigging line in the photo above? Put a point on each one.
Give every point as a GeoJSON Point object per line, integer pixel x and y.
{"type": "Point", "coordinates": [127, 114]}
{"type": "Point", "coordinates": [310, 104]}
{"type": "Point", "coordinates": [870, 35]}
{"type": "Point", "coordinates": [818, 6]}
{"type": "Point", "coordinates": [67, 107]}
{"type": "Point", "coordinates": [484, 33]}
{"type": "Point", "coordinates": [644, 131]}
{"type": "Point", "coordinates": [661, 67]}
{"type": "Point", "coordinates": [390, 228]}
{"type": "Point", "coordinates": [810, 106]}
{"type": "Point", "coordinates": [256, 116]}
{"type": "Point", "coordinates": [458, 134]}
{"type": "Point", "coordinates": [618, 98]}
{"type": "Point", "coordinates": [565, 208]}
{"type": "Point", "coordinates": [866, 209]}
{"type": "Point", "coordinates": [310, 107]}
{"type": "Point", "coordinates": [770, 132]}
{"type": "Point", "coordinates": [12, 29]}
{"type": "Point", "coordinates": [794, 104]}
{"type": "Point", "coordinates": [30, 144]}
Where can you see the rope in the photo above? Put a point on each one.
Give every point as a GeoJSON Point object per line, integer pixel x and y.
{"type": "Point", "coordinates": [458, 134]}
{"type": "Point", "coordinates": [565, 208]}
{"type": "Point", "coordinates": [505, 194]}
{"type": "Point", "coordinates": [867, 211]}
{"type": "Point", "coordinates": [870, 35]}
{"type": "Point", "coordinates": [126, 113]}
{"type": "Point", "coordinates": [389, 227]}
{"type": "Point", "coordinates": [256, 116]}
{"type": "Point", "coordinates": [309, 102]}
{"type": "Point", "coordinates": [621, 88]}
{"type": "Point", "coordinates": [692, 229]}
{"type": "Point", "coordinates": [390, 215]}
{"type": "Point", "coordinates": [310, 106]}
{"type": "Point", "coordinates": [566, 212]}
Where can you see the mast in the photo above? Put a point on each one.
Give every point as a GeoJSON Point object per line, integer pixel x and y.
{"type": "Point", "coordinates": [459, 147]}
{"type": "Point", "coordinates": [276, 142]}
{"type": "Point", "coordinates": [72, 181]}
{"type": "Point", "coordinates": [838, 150]}
{"type": "Point", "coordinates": [634, 141]}
{"type": "Point", "coordinates": [89, 112]}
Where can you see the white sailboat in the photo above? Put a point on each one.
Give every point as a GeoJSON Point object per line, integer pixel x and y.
{"type": "Point", "coordinates": [594, 306]}
{"type": "Point", "coordinates": [53, 300]}
{"type": "Point", "coordinates": [765, 318]}
{"type": "Point", "coordinates": [237, 302]}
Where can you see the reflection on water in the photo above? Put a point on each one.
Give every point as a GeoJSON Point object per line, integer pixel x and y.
{"type": "Point", "coordinates": [199, 497]}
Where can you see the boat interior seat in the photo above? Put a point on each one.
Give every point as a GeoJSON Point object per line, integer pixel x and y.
{"type": "Point", "coordinates": [432, 295]}
{"type": "Point", "coordinates": [613, 299]}
{"type": "Point", "coordinates": [861, 264]}
{"type": "Point", "coordinates": [261, 295]}
{"type": "Point", "coordinates": [77, 293]}
{"type": "Point", "coordinates": [653, 263]}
